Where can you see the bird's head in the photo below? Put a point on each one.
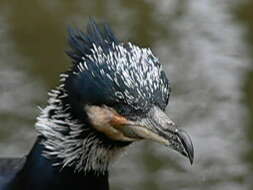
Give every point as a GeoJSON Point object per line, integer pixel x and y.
{"type": "Point", "coordinates": [114, 94]}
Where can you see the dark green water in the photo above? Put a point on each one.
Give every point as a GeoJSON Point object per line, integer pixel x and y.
{"type": "Point", "coordinates": [206, 49]}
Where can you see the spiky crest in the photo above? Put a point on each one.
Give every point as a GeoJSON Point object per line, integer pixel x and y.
{"type": "Point", "coordinates": [123, 76]}
{"type": "Point", "coordinates": [82, 43]}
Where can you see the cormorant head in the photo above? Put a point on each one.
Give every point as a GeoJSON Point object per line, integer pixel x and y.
{"type": "Point", "coordinates": [114, 94]}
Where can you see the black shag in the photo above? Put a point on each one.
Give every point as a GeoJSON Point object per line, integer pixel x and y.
{"type": "Point", "coordinates": [114, 94]}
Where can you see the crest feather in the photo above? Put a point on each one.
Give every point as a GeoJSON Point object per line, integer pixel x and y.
{"type": "Point", "coordinates": [82, 43]}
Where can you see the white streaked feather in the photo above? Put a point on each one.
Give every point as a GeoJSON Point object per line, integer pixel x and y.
{"type": "Point", "coordinates": [135, 68]}
{"type": "Point", "coordinates": [83, 154]}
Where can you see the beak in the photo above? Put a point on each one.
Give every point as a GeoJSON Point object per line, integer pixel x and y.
{"type": "Point", "coordinates": [156, 126]}
{"type": "Point", "coordinates": [159, 128]}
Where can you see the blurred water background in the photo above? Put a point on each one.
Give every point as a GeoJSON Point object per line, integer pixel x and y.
{"type": "Point", "coordinates": [206, 49]}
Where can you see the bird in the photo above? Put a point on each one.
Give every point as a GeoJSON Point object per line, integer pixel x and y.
{"type": "Point", "coordinates": [112, 95]}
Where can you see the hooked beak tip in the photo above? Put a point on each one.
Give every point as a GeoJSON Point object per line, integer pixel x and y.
{"type": "Point", "coordinates": [187, 143]}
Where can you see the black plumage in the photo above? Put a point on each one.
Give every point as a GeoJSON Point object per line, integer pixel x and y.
{"type": "Point", "coordinates": [38, 173]}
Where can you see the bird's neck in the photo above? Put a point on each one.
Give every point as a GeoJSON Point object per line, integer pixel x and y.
{"type": "Point", "coordinates": [75, 142]}
{"type": "Point", "coordinates": [39, 173]}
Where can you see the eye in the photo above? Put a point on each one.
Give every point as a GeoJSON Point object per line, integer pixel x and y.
{"type": "Point", "coordinates": [128, 111]}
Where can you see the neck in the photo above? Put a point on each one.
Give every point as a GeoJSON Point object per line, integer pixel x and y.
{"type": "Point", "coordinates": [39, 173]}
{"type": "Point", "coordinates": [71, 140]}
